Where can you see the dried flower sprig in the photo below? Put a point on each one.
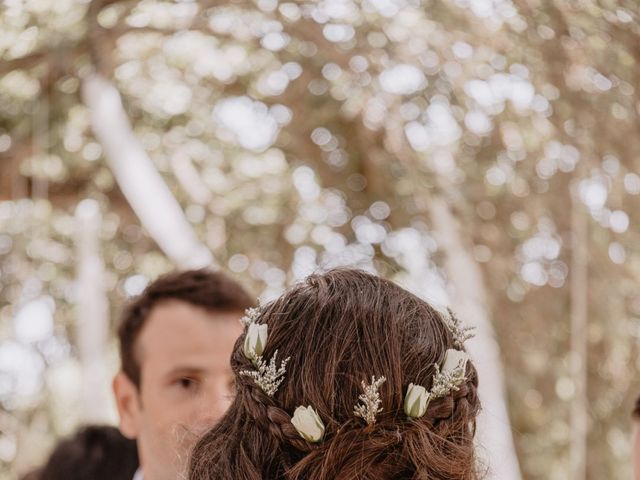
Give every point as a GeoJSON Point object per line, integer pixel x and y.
{"type": "Point", "coordinates": [446, 379]}
{"type": "Point", "coordinates": [370, 401]}
{"type": "Point", "coordinates": [460, 332]}
{"type": "Point", "coordinates": [267, 376]}
{"type": "Point", "coordinates": [250, 316]}
{"type": "Point", "coordinates": [451, 376]}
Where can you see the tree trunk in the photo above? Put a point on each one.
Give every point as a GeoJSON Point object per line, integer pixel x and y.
{"type": "Point", "coordinates": [139, 180]}
{"type": "Point", "coordinates": [468, 296]}
{"type": "Point", "coordinates": [92, 322]}
{"type": "Point", "coordinates": [579, 318]}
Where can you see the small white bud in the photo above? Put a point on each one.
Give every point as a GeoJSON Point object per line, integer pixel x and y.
{"type": "Point", "coordinates": [308, 424]}
{"type": "Point", "coordinates": [454, 359]}
{"type": "Point", "coordinates": [416, 401]}
{"type": "Point", "coordinates": [255, 340]}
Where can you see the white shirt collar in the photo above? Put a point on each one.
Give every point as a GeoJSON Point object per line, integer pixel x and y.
{"type": "Point", "coordinates": [138, 475]}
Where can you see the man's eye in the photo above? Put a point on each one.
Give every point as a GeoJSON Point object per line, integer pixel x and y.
{"type": "Point", "coordinates": [187, 383]}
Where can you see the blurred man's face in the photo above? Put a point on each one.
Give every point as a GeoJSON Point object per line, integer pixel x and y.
{"type": "Point", "coordinates": [186, 384]}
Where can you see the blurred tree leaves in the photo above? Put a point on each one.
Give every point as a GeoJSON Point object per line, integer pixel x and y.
{"type": "Point", "coordinates": [298, 134]}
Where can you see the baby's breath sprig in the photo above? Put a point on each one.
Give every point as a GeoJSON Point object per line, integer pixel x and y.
{"type": "Point", "coordinates": [267, 376]}
{"type": "Point", "coordinates": [370, 401]}
{"type": "Point", "coordinates": [460, 332]}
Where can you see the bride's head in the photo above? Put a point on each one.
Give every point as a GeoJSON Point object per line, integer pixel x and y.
{"type": "Point", "coordinates": [335, 335]}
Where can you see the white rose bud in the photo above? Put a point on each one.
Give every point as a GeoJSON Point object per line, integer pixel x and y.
{"type": "Point", "coordinates": [308, 424]}
{"type": "Point", "coordinates": [255, 340]}
{"type": "Point", "coordinates": [416, 401]}
{"type": "Point", "coordinates": [453, 358]}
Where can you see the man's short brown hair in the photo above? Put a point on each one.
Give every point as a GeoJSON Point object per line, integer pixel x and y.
{"type": "Point", "coordinates": [213, 291]}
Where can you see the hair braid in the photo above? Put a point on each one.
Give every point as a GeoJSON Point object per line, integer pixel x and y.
{"type": "Point", "coordinates": [459, 403]}
{"type": "Point", "coordinates": [272, 418]}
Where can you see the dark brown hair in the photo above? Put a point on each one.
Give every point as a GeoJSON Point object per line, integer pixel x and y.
{"type": "Point", "coordinates": [341, 328]}
{"type": "Point", "coordinates": [636, 409]}
{"type": "Point", "coordinates": [213, 291]}
{"type": "Point", "coordinates": [95, 452]}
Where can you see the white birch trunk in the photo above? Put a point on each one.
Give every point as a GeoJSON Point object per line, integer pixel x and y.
{"type": "Point", "coordinates": [468, 296]}
{"type": "Point", "coordinates": [92, 322]}
{"type": "Point", "coordinates": [139, 180]}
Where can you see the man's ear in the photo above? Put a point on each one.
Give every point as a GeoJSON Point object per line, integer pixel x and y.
{"type": "Point", "coordinates": [128, 404]}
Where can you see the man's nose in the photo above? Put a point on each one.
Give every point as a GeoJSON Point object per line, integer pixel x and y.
{"type": "Point", "coordinates": [214, 403]}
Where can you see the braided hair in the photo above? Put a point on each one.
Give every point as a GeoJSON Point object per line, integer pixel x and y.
{"type": "Point", "coordinates": [340, 328]}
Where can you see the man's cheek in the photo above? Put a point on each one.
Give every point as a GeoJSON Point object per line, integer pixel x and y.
{"type": "Point", "coordinates": [182, 437]}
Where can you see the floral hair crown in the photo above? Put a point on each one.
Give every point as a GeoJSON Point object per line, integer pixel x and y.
{"type": "Point", "coordinates": [268, 376]}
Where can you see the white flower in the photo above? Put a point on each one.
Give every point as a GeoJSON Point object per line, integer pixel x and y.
{"type": "Point", "coordinates": [255, 340]}
{"type": "Point", "coordinates": [454, 359]}
{"type": "Point", "coordinates": [416, 401]}
{"type": "Point", "coordinates": [308, 424]}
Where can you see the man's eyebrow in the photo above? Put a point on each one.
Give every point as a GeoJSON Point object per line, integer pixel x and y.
{"type": "Point", "coordinates": [186, 370]}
